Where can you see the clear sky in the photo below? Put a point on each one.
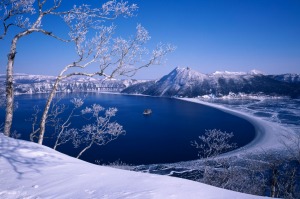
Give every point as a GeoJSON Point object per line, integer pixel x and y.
{"type": "Point", "coordinates": [210, 35]}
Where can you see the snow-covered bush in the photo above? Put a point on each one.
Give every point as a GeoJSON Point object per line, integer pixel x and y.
{"type": "Point", "coordinates": [213, 143]}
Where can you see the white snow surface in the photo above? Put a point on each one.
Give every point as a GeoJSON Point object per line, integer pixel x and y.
{"type": "Point", "coordinates": [228, 73]}
{"type": "Point", "coordinates": [32, 171]}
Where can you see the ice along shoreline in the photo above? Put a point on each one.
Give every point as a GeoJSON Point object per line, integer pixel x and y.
{"type": "Point", "coordinates": [268, 135]}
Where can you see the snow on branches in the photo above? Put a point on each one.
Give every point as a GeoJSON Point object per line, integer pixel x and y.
{"type": "Point", "coordinates": [99, 132]}
{"type": "Point", "coordinates": [99, 128]}
{"type": "Point", "coordinates": [15, 13]}
{"type": "Point", "coordinates": [213, 143]}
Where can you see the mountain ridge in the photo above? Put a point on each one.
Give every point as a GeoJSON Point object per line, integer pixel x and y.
{"type": "Point", "coordinates": [31, 84]}
{"type": "Point", "coordinates": [190, 83]}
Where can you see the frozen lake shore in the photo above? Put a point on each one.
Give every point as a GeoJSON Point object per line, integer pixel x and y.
{"type": "Point", "coordinates": [269, 135]}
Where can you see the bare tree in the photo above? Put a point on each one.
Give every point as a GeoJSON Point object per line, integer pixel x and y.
{"type": "Point", "coordinates": [112, 57]}
{"type": "Point", "coordinates": [226, 172]}
{"type": "Point", "coordinates": [292, 144]}
{"type": "Point", "coordinates": [281, 174]}
{"type": "Point", "coordinates": [63, 134]}
{"type": "Point", "coordinates": [213, 143]}
{"type": "Point", "coordinates": [34, 120]}
{"type": "Point", "coordinates": [267, 173]}
{"type": "Point", "coordinates": [54, 118]}
{"type": "Point", "coordinates": [291, 186]}
{"type": "Point", "coordinates": [28, 15]}
{"type": "Point", "coordinates": [100, 132]}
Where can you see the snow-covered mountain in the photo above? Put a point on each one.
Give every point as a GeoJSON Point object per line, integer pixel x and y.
{"type": "Point", "coordinates": [42, 84]}
{"type": "Point", "coordinates": [189, 83]}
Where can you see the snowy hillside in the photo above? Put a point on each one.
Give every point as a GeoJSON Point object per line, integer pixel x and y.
{"type": "Point", "coordinates": [31, 171]}
{"type": "Point", "coordinates": [189, 83]}
{"type": "Point", "coordinates": [30, 84]}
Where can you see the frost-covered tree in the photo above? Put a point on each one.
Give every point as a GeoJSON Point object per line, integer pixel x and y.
{"type": "Point", "coordinates": [281, 174]}
{"type": "Point", "coordinates": [266, 173]}
{"type": "Point", "coordinates": [100, 131]}
{"type": "Point", "coordinates": [213, 143]}
{"type": "Point", "coordinates": [111, 57]}
{"type": "Point", "coordinates": [26, 16]}
{"type": "Point", "coordinates": [292, 145]}
{"type": "Point", "coordinates": [61, 127]}
{"type": "Point", "coordinates": [216, 170]}
{"type": "Point", "coordinates": [59, 119]}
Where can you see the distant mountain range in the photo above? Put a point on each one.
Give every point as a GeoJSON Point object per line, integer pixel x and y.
{"type": "Point", "coordinates": [183, 82]}
{"type": "Point", "coordinates": [189, 83]}
{"type": "Point", "coordinates": [30, 84]}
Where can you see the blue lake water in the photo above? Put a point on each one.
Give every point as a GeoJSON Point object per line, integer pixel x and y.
{"type": "Point", "coordinates": [162, 137]}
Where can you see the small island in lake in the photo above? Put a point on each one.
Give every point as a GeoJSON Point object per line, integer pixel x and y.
{"type": "Point", "coordinates": [147, 112]}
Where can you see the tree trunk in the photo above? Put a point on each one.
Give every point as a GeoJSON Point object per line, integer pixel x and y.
{"type": "Point", "coordinates": [46, 110]}
{"type": "Point", "coordinates": [274, 183]}
{"type": "Point", "coordinates": [9, 87]}
{"type": "Point", "coordinates": [9, 111]}
{"type": "Point", "coordinates": [86, 148]}
{"type": "Point", "coordinates": [56, 144]}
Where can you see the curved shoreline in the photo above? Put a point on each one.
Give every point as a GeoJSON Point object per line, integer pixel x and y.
{"type": "Point", "coordinates": [268, 135]}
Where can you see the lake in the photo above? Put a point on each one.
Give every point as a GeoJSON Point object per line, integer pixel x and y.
{"type": "Point", "coordinates": [162, 137]}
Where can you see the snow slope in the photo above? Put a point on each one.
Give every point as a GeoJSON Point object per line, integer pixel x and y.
{"type": "Point", "coordinates": [28, 170]}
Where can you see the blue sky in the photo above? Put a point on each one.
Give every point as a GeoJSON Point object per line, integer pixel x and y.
{"type": "Point", "coordinates": [211, 35]}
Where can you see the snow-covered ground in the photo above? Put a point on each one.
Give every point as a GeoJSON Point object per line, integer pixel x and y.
{"type": "Point", "coordinates": [32, 171]}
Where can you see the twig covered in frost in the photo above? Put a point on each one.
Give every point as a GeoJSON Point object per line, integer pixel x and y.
{"type": "Point", "coordinates": [213, 143]}
{"type": "Point", "coordinates": [292, 145]}
{"type": "Point", "coordinates": [101, 131]}
{"type": "Point", "coordinates": [64, 135]}
{"type": "Point", "coordinates": [34, 123]}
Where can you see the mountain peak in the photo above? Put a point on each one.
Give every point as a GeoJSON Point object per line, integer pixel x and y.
{"type": "Point", "coordinates": [184, 73]}
{"type": "Point", "coordinates": [255, 72]}
{"type": "Point", "coordinates": [180, 69]}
